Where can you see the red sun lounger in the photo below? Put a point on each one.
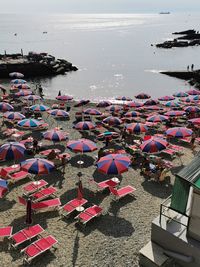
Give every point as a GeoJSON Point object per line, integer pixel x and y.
{"type": "Point", "coordinates": [44, 193]}
{"type": "Point", "coordinates": [46, 205]}
{"type": "Point", "coordinates": [89, 214]}
{"type": "Point", "coordinates": [5, 232]}
{"type": "Point", "coordinates": [3, 191]}
{"type": "Point", "coordinates": [122, 192]}
{"type": "Point", "coordinates": [38, 247]}
{"type": "Point", "coordinates": [26, 234]}
{"type": "Point", "coordinates": [105, 184]}
{"type": "Point", "coordinates": [72, 205]}
{"type": "Point", "coordinates": [32, 187]}
{"type": "Point", "coordinates": [17, 176]}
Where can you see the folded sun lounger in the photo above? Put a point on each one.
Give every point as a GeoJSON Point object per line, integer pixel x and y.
{"type": "Point", "coordinates": [72, 205]}
{"type": "Point", "coordinates": [32, 187]}
{"type": "Point", "coordinates": [88, 214]}
{"type": "Point", "coordinates": [46, 205]}
{"type": "Point", "coordinates": [105, 184]}
{"type": "Point", "coordinates": [38, 247]}
{"type": "Point", "coordinates": [44, 193]}
{"type": "Point", "coordinates": [5, 232]}
{"type": "Point", "coordinates": [26, 234]}
{"type": "Point", "coordinates": [122, 192]}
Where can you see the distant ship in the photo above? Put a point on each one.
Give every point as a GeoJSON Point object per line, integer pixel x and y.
{"type": "Point", "coordinates": [164, 13]}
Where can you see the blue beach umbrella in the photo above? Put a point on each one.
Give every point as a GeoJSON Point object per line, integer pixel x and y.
{"type": "Point", "coordinates": [39, 108]}
{"type": "Point", "coordinates": [12, 151]}
{"type": "Point", "coordinates": [29, 123]}
{"type": "Point", "coordinates": [18, 81]}
{"type": "Point", "coordinates": [37, 166]}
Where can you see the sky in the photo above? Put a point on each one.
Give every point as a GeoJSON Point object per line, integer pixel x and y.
{"type": "Point", "coordinates": [98, 6]}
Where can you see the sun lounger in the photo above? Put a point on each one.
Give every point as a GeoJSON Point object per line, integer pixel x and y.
{"type": "Point", "coordinates": [3, 174]}
{"type": "Point", "coordinates": [44, 193]}
{"type": "Point", "coordinates": [122, 192]}
{"type": "Point", "coordinates": [32, 187]}
{"type": "Point", "coordinates": [38, 247]}
{"type": "Point", "coordinates": [48, 151]}
{"type": "Point", "coordinates": [170, 152]}
{"type": "Point", "coordinates": [17, 176]}
{"type": "Point", "coordinates": [105, 184]}
{"type": "Point", "coordinates": [185, 140]}
{"type": "Point", "coordinates": [46, 205]}
{"type": "Point", "coordinates": [26, 234]}
{"type": "Point", "coordinates": [5, 232]}
{"type": "Point", "coordinates": [12, 168]}
{"type": "Point", "coordinates": [88, 214]}
{"type": "Point", "coordinates": [3, 191]}
{"type": "Point", "coordinates": [72, 205]}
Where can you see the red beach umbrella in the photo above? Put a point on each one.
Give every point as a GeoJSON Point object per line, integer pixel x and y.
{"type": "Point", "coordinates": [92, 111]}
{"type": "Point", "coordinates": [103, 104]}
{"type": "Point", "coordinates": [12, 151]}
{"type": "Point", "coordinates": [195, 121]}
{"type": "Point", "coordinates": [136, 127]}
{"type": "Point", "coordinates": [179, 132]}
{"type": "Point", "coordinates": [37, 166]}
{"type": "Point", "coordinates": [192, 109]}
{"type": "Point", "coordinates": [114, 108]}
{"type": "Point", "coordinates": [166, 98]}
{"type": "Point", "coordinates": [151, 102]}
{"type": "Point", "coordinates": [175, 113]}
{"type": "Point", "coordinates": [58, 113]}
{"type": "Point", "coordinates": [55, 136]}
{"type": "Point", "coordinates": [157, 118]}
{"type": "Point", "coordinates": [153, 145]}
{"type": "Point", "coordinates": [81, 145]}
{"type": "Point", "coordinates": [134, 104]}
{"type": "Point", "coordinates": [5, 107]}
{"type": "Point", "coordinates": [132, 114]}
{"type": "Point", "coordinates": [142, 96]}
{"type": "Point", "coordinates": [81, 103]}
{"type": "Point", "coordinates": [84, 126]}
{"type": "Point", "coordinates": [112, 121]}
{"type": "Point", "coordinates": [193, 92]}
{"type": "Point", "coordinates": [123, 98]}
{"type": "Point", "coordinates": [64, 97]}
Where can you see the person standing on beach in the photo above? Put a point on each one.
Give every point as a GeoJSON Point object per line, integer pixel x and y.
{"type": "Point", "coordinates": [188, 68]}
{"type": "Point", "coordinates": [192, 67]}
{"type": "Point", "coordinates": [64, 161]}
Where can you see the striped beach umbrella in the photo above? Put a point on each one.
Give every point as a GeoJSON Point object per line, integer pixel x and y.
{"type": "Point", "coordinates": [81, 145]}
{"type": "Point", "coordinates": [29, 123]}
{"type": "Point", "coordinates": [32, 97]}
{"type": "Point", "coordinates": [18, 81]}
{"type": "Point", "coordinates": [37, 166]}
{"type": "Point", "coordinates": [107, 134]}
{"type": "Point", "coordinates": [166, 98]}
{"type": "Point", "coordinates": [21, 86]}
{"type": "Point", "coordinates": [195, 121]}
{"type": "Point", "coordinates": [134, 104]}
{"type": "Point", "coordinates": [132, 114]}
{"type": "Point", "coordinates": [157, 118]}
{"type": "Point", "coordinates": [55, 135]}
{"type": "Point", "coordinates": [196, 98]}
{"type": "Point", "coordinates": [172, 104]}
{"type": "Point", "coordinates": [186, 99]}
{"type": "Point", "coordinates": [142, 96]}
{"type": "Point", "coordinates": [59, 113]}
{"type": "Point", "coordinates": [15, 116]}
{"type": "Point", "coordinates": [112, 121]}
{"type": "Point", "coordinates": [180, 94]}
{"type": "Point", "coordinates": [151, 108]}
{"type": "Point", "coordinates": [23, 93]}
{"type": "Point", "coordinates": [39, 108]}
{"type": "Point", "coordinates": [16, 75]}
{"type": "Point", "coordinates": [12, 151]}
{"type": "Point", "coordinates": [113, 164]}
{"type": "Point", "coordinates": [136, 127]}
{"type": "Point", "coordinates": [179, 132]}
{"type": "Point", "coordinates": [82, 102]}
{"type": "Point", "coordinates": [5, 107]}
{"type": "Point", "coordinates": [192, 109]}
{"type": "Point", "coordinates": [84, 126]}
{"type": "Point", "coordinates": [92, 111]}
{"type": "Point", "coordinates": [151, 102]}
{"type": "Point", "coordinates": [123, 98]}
{"type": "Point", "coordinates": [193, 92]}
{"type": "Point", "coordinates": [153, 145]}
{"type": "Point", "coordinates": [114, 108]}
{"type": "Point", "coordinates": [64, 97]}
{"type": "Point", "coordinates": [175, 113]}
{"type": "Point", "coordinates": [104, 103]}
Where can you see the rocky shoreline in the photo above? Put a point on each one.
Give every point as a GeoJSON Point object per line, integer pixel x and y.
{"type": "Point", "coordinates": [34, 64]}
{"type": "Point", "coordinates": [187, 38]}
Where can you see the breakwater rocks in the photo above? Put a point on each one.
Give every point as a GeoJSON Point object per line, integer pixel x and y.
{"type": "Point", "coordinates": [186, 38]}
{"type": "Point", "coordinates": [34, 64]}
{"type": "Point", "coordinates": [193, 77]}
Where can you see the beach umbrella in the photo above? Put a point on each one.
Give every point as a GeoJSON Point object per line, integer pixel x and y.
{"type": "Point", "coordinates": [92, 111]}
{"type": "Point", "coordinates": [58, 113]}
{"type": "Point", "coordinates": [55, 135]}
{"type": "Point", "coordinates": [180, 94]}
{"type": "Point", "coordinates": [196, 98]}
{"type": "Point", "coordinates": [23, 93]}
{"type": "Point", "coordinates": [80, 190]}
{"type": "Point", "coordinates": [107, 134]}
{"type": "Point", "coordinates": [15, 116]}
{"type": "Point", "coordinates": [191, 109]}
{"type": "Point", "coordinates": [195, 121]}
{"type": "Point", "coordinates": [175, 113]}
{"type": "Point", "coordinates": [132, 114]}
{"type": "Point", "coordinates": [81, 145]}
{"type": "Point", "coordinates": [112, 121]}
{"type": "Point", "coordinates": [12, 151]}
{"type": "Point", "coordinates": [104, 103]}
{"type": "Point", "coordinates": [179, 132]}
{"type": "Point", "coordinates": [18, 81]}
{"type": "Point", "coordinates": [151, 108]}
{"type": "Point", "coordinates": [29, 123]}
{"type": "Point", "coordinates": [37, 166]}
{"type": "Point", "coordinates": [136, 127]}
{"type": "Point", "coordinates": [5, 107]}
{"type": "Point", "coordinates": [157, 118]}
{"type": "Point", "coordinates": [16, 75]}
{"type": "Point", "coordinates": [3, 187]}
{"type": "Point", "coordinates": [39, 108]}
{"type": "Point", "coordinates": [113, 164]}
{"type": "Point", "coordinates": [153, 145]}
{"type": "Point", "coordinates": [21, 86]}
{"type": "Point", "coordinates": [134, 104]}
{"type": "Point", "coordinates": [142, 96]}
{"type": "Point", "coordinates": [64, 97]}
{"type": "Point", "coordinates": [84, 126]}
{"type": "Point", "coordinates": [81, 103]}
{"type": "Point", "coordinates": [29, 211]}
{"type": "Point", "coordinates": [151, 102]}
{"type": "Point", "coordinates": [186, 99]}
{"type": "Point", "coordinates": [172, 104]}
{"type": "Point", "coordinates": [166, 98]}
{"type": "Point", "coordinates": [32, 97]}
{"type": "Point", "coordinates": [123, 98]}
{"type": "Point", "coordinates": [114, 108]}
{"type": "Point", "coordinates": [193, 92]}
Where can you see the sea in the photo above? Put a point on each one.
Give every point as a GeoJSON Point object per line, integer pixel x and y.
{"type": "Point", "coordinates": [115, 53]}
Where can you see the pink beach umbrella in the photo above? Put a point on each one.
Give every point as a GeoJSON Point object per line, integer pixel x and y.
{"type": "Point", "coordinates": [5, 107]}
{"type": "Point", "coordinates": [179, 132]}
{"type": "Point", "coordinates": [55, 135]}
{"type": "Point", "coordinates": [15, 116]}
{"type": "Point", "coordinates": [92, 112]}
{"type": "Point", "coordinates": [64, 97]}
{"type": "Point", "coordinates": [166, 98]}
{"type": "Point", "coordinates": [193, 92]}
{"type": "Point", "coordinates": [136, 127]}
{"type": "Point", "coordinates": [59, 113]}
{"type": "Point", "coordinates": [103, 104]}
{"type": "Point", "coordinates": [142, 96]}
